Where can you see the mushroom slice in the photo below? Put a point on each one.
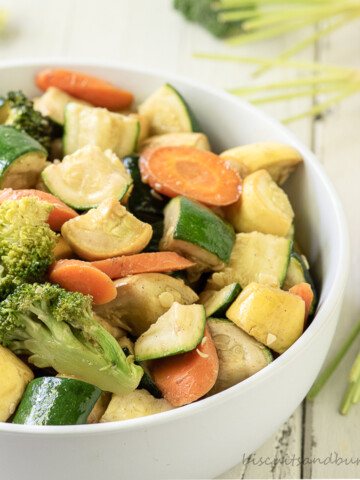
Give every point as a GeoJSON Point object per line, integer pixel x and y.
{"type": "Point", "coordinates": [142, 299]}
{"type": "Point", "coordinates": [240, 355]}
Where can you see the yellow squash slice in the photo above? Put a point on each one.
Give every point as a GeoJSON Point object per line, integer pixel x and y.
{"type": "Point", "coordinates": [14, 377]}
{"type": "Point", "coordinates": [139, 403]}
{"type": "Point", "coordinates": [274, 317]}
{"type": "Point", "coordinates": [107, 231]}
{"type": "Point", "coordinates": [277, 158]}
{"type": "Point", "coordinates": [263, 207]}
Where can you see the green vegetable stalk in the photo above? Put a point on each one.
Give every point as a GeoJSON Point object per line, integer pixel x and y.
{"type": "Point", "coordinates": [57, 329]}
{"type": "Point", "coordinates": [352, 394]}
{"type": "Point", "coordinates": [249, 21]}
{"type": "Point", "coordinates": [335, 81]}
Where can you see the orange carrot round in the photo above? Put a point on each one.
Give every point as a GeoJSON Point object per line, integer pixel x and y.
{"type": "Point", "coordinates": [85, 87]}
{"type": "Point", "coordinates": [79, 276]}
{"type": "Point", "coordinates": [304, 291]}
{"type": "Point", "coordinates": [186, 377]}
{"type": "Point", "coordinates": [61, 213]}
{"type": "Point", "coordinates": [197, 174]}
{"type": "Point", "coordinates": [152, 262]}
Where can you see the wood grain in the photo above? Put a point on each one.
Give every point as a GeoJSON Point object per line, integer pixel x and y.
{"type": "Point", "coordinates": [151, 33]}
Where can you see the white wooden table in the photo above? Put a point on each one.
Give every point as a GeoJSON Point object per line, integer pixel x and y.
{"type": "Point", "coordinates": [316, 442]}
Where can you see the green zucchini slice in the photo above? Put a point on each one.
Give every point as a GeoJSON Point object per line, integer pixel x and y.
{"type": "Point", "coordinates": [141, 299]}
{"type": "Point", "coordinates": [143, 202]}
{"type": "Point", "coordinates": [53, 103]}
{"type": "Point", "coordinates": [256, 257]}
{"type": "Point", "coordinates": [56, 401]}
{"type": "Point", "coordinates": [197, 233]}
{"type": "Point", "coordinates": [298, 272]}
{"type": "Point", "coordinates": [291, 232]}
{"type": "Point", "coordinates": [97, 126]}
{"type": "Point", "coordinates": [240, 355]}
{"type": "Point", "coordinates": [168, 112]}
{"type": "Point", "coordinates": [146, 382]}
{"type": "Point", "coordinates": [22, 159]}
{"type": "Point", "coordinates": [217, 302]}
{"type": "Point", "coordinates": [86, 178]}
{"type": "Point", "coordinates": [153, 245]}
{"type": "Point", "coordinates": [178, 330]}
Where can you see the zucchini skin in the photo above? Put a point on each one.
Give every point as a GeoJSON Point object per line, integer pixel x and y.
{"type": "Point", "coordinates": [146, 382]}
{"type": "Point", "coordinates": [15, 144]}
{"type": "Point", "coordinates": [56, 401]}
{"type": "Point", "coordinates": [224, 304]}
{"type": "Point", "coordinates": [153, 245]}
{"type": "Point", "coordinates": [195, 125]}
{"type": "Point", "coordinates": [203, 228]}
{"type": "Point", "coordinates": [309, 280]}
{"type": "Point", "coordinates": [141, 203]}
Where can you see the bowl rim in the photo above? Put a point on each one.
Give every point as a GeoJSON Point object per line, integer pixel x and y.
{"type": "Point", "coordinates": [314, 329]}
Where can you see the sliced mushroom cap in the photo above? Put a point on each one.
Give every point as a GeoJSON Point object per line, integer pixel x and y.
{"type": "Point", "coordinates": [142, 299]}
{"type": "Point", "coordinates": [240, 355]}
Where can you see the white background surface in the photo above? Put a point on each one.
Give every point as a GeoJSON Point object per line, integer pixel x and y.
{"type": "Point", "coordinates": [316, 442]}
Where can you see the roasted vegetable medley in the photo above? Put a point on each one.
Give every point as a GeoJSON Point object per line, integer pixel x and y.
{"type": "Point", "coordinates": [139, 271]}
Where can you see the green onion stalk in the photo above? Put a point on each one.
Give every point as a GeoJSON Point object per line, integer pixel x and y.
{"type": "Point", "coordinates": [242, 22]}
{"type": "Point", "coordinates": [335, 82]}
{"type": "Point", "coordinates": [264, 19]}
{"type": "Point", "coordinates": [352, 394]}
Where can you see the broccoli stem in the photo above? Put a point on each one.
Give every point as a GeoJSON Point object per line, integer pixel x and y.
{"type": "Point", "coordinates": [80, 358]}
{"type": "Point", "coordinates": [57, 329]}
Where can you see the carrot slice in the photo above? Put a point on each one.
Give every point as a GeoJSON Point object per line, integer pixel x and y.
{"type": "Point", "coordinates": [85, 87]}
{"type": "Point", "coordinates": [61, 213]}
{"type": "Point", "coordinates": [151, 262]}
{"type": "Point", "coordinates": [304, 291]}
{"type": "Point", "coordinates": [186, 377]}
{"type": "Point", "coordinates": [78, 276]}
{"type": "Point", "coordinates": [190, 172]}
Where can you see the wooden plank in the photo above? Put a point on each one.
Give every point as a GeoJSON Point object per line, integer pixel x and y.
{"type": "Point", "coordinates": [331, 443]}
{"type": "Point", "coordinates": [279, 457]}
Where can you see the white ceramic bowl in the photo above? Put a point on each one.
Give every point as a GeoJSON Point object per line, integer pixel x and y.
{"type": "Point", "coordinates": [203, 439]}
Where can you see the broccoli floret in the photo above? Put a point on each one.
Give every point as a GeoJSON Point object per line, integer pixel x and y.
{"type": "Point", "coordinates": [201, 11]}
{"type": "Point", "coordinates": [26, 242]}
{"type": "Point", "coordinates": [22, 116]}
{"type": "Point", "coordinates": [57, 329]}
